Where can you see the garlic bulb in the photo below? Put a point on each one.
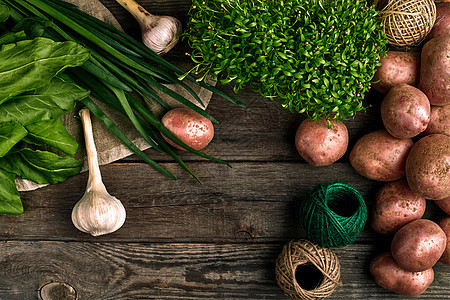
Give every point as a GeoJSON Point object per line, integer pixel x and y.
{"type": "Point", "coordinates": [97, 212]}
{"type": "Point", "coordinates": [159, 33]}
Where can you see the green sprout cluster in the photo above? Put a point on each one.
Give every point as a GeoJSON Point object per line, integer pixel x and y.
{"type": "Point", "coordinates": [317, 56]}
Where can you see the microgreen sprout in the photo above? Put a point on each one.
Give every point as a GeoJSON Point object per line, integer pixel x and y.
{"type": "Point", "coordinates": [316, 57]}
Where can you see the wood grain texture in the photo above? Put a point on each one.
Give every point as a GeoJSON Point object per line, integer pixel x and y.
{"type": "Point", "coordinates": [186, 241]}
{"type": "Point", "coordinates": [176, 271]}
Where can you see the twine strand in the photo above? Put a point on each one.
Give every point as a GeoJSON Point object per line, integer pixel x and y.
{"type": "Point", "coordinates": [298, 253]}
{"type": "Point", "coordinates": [407, 22]}
{"type": "Point", "coordinates": [326, 227]}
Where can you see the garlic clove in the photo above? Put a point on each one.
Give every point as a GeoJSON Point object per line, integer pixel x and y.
{"type": "Point", "coordinates": [98, 213]}
{"type": "Point", "coordinates": [161, 33]}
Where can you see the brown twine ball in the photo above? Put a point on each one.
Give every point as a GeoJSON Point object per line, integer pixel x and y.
{"type": "Point", "coordinates": [406, 22]}
{"type": "Point", "coordinates": [307, 271]}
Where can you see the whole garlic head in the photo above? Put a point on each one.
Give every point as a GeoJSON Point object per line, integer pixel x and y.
{"type": "Point", "coordinates": [98, 213]}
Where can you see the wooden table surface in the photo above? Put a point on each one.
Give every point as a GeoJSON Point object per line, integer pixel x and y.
{"type": "Point", "coordinates": [186, 241]}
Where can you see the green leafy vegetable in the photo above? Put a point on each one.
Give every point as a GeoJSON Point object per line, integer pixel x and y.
{"type": "Point", "coordinates": [33, 27]}
{"type": "Point", "coordinates": [12, 37]}
{"type": "Point", "coordinates": [42, 167]}
{"type": "Point", "coordinates": [30, 64]}
{"type": "Point", "coordinates": [9, 196]}
{"type": "Point", "coordinates": [31, 101]}
{"type": "Point", "coordinates": [119, 65]}
{"type": "Point", "coordinates": [317, 56]}
{"type": "Point", "coordinates": [53, 133]}
{"type": "Point", "coordinates": [10, 134]}
{"type": "Point", "coordinates": [45, 103]}
{"type": "Point", "coordinates": [5, 12]}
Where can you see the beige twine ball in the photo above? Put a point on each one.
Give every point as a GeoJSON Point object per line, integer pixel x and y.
{"type": "Point", "coordinates": [297, 254]}
{"type": "Point", "coordinates": [406, 22]}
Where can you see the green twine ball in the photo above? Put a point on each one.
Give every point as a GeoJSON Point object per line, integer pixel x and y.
{"type": "Point", "coordinates": [333, 214]}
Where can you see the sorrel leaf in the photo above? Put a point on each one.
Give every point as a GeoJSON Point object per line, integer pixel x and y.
{"type": "Point", "coordinates": [10, 134]}
{"type": "Point", "coordinates": [53, 133]}
{"type": "Point", "coordinates": [45, 103]}
{"type": "Point", "coordinates": [9, 196]}
{"type": "Point", "coordinates": [42, 167]}
{"type": "Point", "coordinates": [30, 64]}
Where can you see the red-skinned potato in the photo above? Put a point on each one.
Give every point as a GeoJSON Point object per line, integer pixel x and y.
{"type": "Point", "coordinates": [435, 70]}
{"type": "Point", "coordinates": [445, 225]}
{"type": "Point", "coordinates": [444, 204]}
{"type": "Point", "coordinates": [380, 156]}
{"type": "Point", "coordinates": [320, 145]}
{"type": "Point", "coordinates": [189, 126]}
{"type": "Point", "coordinates": [439, 120]}
{"type": "Point", "coordinates": [389, 275]}
{"type": "Point", "coordinates": [428, 167]}
{"type": "Point", "coordinates": [395, 205]}
{"type": "Point", "coordinates": [405, 111]}
{"type": "Point", "coordinates": [418, 245]}
{"type": "Point", "coordinates": [442, 24]}
{"type": "Point", "coordinates": [396, 67]}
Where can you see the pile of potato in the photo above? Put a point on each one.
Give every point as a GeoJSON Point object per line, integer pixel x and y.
{"type": "Point", "coordinates": [412, 155]}
{"type": "Point", "coordinates": [416, 107]}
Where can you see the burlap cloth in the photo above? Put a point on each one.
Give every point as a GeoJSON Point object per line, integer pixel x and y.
{"type": "Point", "coordinates": [108, 146]}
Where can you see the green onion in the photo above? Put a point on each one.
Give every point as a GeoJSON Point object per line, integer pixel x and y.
{"type": "Point", "coordinates": [119, 67]}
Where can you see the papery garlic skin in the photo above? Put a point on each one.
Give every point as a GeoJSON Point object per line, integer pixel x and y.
{"type": "Point", "coordinates": [161, 33]}
{"type": "Point", "coordinates": [98, 213]}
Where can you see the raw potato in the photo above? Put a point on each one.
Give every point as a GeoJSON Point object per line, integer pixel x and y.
{"type": "Point", "coordinates": [418, 245]}
{"type": "Point", "coordinates": [442, 24]}
{"type": "Point", "coordinates": [435, 70]}
{"type": "Point", "coordinates": [405, 111]}
{"type": "Point", "coordinates": [439, 120]}
{"type": "Point", "coordinates": [320, 145]}
{"type": "Point", "coordinates": [387, 273]}
{"type": "Point", "coordinates": [395, 206]}
{"type": "Point", "coordinates": [444, 204]}
{"type": "Point", "coordinates": [445, 225]}
{"type": "Point", "coordinates": [189, 126]}
{"type": "Point", "coordinates": [428, 167]}
{"type": "Point", "coordinates": [380, 156]}
{"type": "Point", "coordinates": [396, 67]}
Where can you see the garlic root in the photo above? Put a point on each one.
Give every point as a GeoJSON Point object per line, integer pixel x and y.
{"type": "Point", "coordinates": [97, 212]}
{"type": "Point", "coordinates": [159, 33]}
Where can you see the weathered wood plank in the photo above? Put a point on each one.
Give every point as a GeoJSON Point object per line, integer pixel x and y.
{"type": "Point", "coordinates": [265, 131]}
{"type": "Point", "coordinates": [176, 271]}
{"type": "Point", "coordinates": [252, 200]}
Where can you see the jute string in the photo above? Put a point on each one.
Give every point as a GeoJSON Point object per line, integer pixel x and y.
{"type": "Point", "coordinates": [407, 22]}
{"type": "Point", "coordinates": [298, 253]}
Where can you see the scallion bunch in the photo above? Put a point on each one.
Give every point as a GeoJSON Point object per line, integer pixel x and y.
{"type": "Point", "coordinates": [119, 68]}
{"type": "Point", "coordinates": [317, 56]}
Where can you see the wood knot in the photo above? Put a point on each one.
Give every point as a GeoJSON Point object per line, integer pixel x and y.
{"type": "Point", "coordinates": [243, 235]}
{"type": "Point", "coordinates": [57, 291]}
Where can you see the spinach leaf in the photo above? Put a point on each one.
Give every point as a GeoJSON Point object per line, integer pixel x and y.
{"type": "Point", "coordinates": [9, 196]}
{"type": "Point", "coordinates": [42, 167]}
{"type": "Point", "coordinates": [32, 26]}
{"type": "Point", "coordinates": [52, 132]}
{"type": "Point", "coordinates": [12, 37]}
{"type": "Point", "coordinates": [45, 103]}
{"type": "Point", "coordinates": [10, 134]}
{"type": "Point", "coordinates": [30, 64]}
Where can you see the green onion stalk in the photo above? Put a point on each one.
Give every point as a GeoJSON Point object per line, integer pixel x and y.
{"type": "Point", "coordinates": [119, 68]}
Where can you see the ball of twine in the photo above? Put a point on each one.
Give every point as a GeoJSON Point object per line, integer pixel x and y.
{"type": "Point", "coordinates": [301, 254]}
{"type": "Point", "coordinates": [406, 22]}
{"type": "Point", "coordinates": [333, 214]}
